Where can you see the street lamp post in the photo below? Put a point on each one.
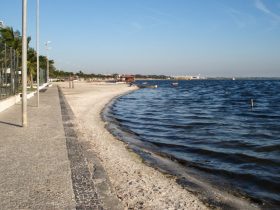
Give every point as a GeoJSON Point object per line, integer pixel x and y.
{"type": "Point", "coordinates": [24, 64]}
{"type": "Point", "coordinates": [37, 49]}
{"type": "Point", "coordinates": [48, 64]}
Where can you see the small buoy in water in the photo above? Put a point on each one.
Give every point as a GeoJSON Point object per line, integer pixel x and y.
{"type": "Point", "coordinates": [252, 102]}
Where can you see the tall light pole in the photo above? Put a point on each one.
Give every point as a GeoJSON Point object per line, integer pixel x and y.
{"type": "Point", "coordinates": [37, 49]}
{"type": "Point", "coordinates": [48, 64]}
{"type": "Point", "coordinates": [24, 64]}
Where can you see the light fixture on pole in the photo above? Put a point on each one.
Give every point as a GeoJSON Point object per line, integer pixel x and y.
{"type": "Point", "coordinates": [24, 64]}
{"type": "Point", "coordinates": [48, 64]}
{"type": "Point", "coordinates": [37, 49]}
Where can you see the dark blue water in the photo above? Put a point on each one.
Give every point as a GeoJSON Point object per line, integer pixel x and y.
{"type": "Point", "coordinates": [212, 127]}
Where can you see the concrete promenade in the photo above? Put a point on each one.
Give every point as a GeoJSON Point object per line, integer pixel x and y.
{"type": "Point", "coordinates": [42, 166]}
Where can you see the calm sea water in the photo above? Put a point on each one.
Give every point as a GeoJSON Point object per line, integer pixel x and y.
{"type": "Point", "coordinates": [211, 126]}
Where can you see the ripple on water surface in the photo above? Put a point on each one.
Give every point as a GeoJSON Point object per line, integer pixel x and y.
{"type": "Point", "coordinates": [211, 126]}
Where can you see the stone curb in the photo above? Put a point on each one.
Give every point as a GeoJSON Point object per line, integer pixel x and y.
{"type": "Point", "coordinates": [91, 184]}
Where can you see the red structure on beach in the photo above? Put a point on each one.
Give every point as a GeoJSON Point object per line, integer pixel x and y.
{"type": "Point", "coordinates": [127, 78]}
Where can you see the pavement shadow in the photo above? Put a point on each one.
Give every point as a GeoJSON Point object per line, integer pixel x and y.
{"type": "Point", "coordinates": [12, 124]}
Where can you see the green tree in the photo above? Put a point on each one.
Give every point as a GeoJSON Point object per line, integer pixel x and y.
{"type": "Point", "coordinates": [31, 65]}
{"type": "Point", "coordinates": [12, 39]}
{"type": "Point", "coordinates": [8, 36]}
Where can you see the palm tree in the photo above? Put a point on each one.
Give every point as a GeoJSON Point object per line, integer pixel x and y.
{"type": "Point", "coordinates": [31, 65]}
{"type": "Point", "coordinates": [8, 36]}
{"type": "Point", "coordinates": [12, 39]}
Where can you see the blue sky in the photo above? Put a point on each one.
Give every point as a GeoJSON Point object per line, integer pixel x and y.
{"type": "Point", "coordinates": [172, 37]}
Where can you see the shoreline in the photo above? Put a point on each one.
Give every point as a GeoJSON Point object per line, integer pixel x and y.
{"type": "Point", "coordinates": [135, 184]}
{"type": "Point", "coordinates": [141, 184]}
{"type": "Point", "coordinates": [198, 183]}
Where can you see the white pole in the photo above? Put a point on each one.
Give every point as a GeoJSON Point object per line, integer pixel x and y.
{"type": "Point", "coordinates": [48, 68]}
{"type": "Point", "coordinates": [37, 49]}
{"type": "Point", "coordinates": [24, 64]}
{"type": "Point", "coordinates": [48, 64]}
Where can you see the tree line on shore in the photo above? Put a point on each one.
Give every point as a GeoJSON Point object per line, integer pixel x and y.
{"type": "Point", "coordinates": [11, 39]}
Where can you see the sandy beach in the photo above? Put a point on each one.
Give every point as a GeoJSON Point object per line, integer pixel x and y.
{"type": "Point", "coordinates": [136, 185]}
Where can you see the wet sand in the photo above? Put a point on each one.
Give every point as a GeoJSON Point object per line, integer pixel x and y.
{"type": "Point", "coordinates": [136, 185]}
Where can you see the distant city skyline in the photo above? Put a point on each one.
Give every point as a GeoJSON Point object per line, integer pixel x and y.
{"type": "Point", "coordinates": [229, 38]}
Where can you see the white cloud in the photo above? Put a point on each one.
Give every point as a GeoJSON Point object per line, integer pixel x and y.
{"type": "Point", "coordinates": [262, 7]}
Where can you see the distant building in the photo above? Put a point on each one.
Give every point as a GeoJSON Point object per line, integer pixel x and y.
{"type": "Point", "coordinates": [196, 77]}
{"type": "Point", "coordinates": [186, 77]}
{"type": "Point", "coordinates": [2, 24]}
{"type": "Point", "coordinates": [127, 78]}
{"type": "Point", "coordinates": [182, 77]}
{"type": "Point", "coordinates": [17, 34]}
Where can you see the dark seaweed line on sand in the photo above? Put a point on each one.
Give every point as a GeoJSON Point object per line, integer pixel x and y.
{"type": "Point", "coordinates": [85, 193]}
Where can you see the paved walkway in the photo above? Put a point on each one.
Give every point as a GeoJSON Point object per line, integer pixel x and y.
{"type": "Point", "coordinates": [43, 165]}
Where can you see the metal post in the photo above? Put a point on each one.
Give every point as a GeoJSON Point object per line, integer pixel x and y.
{"type": "Point", "coordinates": [14, 71]}
{"type": "Point", "coordinates": [17, 69]}
{"type": "Point", "coordinates": [48, 64]}
{"type": "Point", "coordinates": [37, 49]}
{"type": "Point", "coordinates": [48, 67]}
{"type": "Point", "coordinates": [1, 80]}
{"type": "Point", "coordinates": [11, 71]}
{"type": "Point", "coordinates": [24, 64]}
{"type": "Point", "coordinates": [5, 71]}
